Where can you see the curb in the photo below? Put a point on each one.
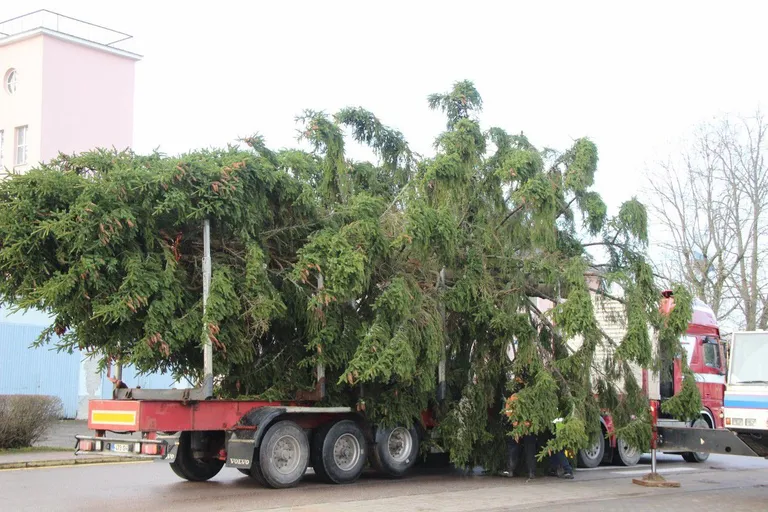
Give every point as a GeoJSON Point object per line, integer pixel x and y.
{"type": "Point", "coordinates": [68, 462]}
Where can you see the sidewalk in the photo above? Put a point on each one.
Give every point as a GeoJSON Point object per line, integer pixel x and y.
{"type": "Point", "coordinates": [61, 435]}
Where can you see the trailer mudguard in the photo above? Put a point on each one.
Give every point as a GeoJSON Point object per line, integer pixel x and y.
{"type": "Point", "coordinates": [242, 441]}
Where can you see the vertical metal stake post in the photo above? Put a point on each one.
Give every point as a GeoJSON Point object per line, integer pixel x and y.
{"type": "Point", "coordinates": [207, 347]}
{"type": "Point", "coordinates": [442, 387]}
{"type": "Point", "coordinates": [320, 368]}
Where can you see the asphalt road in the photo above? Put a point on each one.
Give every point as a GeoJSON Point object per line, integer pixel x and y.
{"type": "Point", "coordinates": [722, 483]}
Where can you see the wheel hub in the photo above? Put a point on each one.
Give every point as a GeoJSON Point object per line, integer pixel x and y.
{"type": "Point", "coordinates": [594, 450]}
{"type": "Point", "coordinates": [628, 450]}
{"type": "Point", "coordinates": [346, 452]}
{"type": "Point", "coordinates": [399, 444]}
{"type": "Point", "coordinates": [285, 454]}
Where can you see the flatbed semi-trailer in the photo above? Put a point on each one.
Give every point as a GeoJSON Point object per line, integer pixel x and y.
{"type": "Point", "coordinates": [273, 442]}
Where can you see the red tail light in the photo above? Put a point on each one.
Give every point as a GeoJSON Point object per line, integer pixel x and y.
{"type": "Point", "coordinates": [151, 449]}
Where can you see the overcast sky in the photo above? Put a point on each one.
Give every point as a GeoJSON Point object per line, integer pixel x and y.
{"type": "Point", "coordinates": [632, 78]}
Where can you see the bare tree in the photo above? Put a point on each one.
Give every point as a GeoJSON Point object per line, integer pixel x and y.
{"type": "Point", "coordinates": [712, 203]}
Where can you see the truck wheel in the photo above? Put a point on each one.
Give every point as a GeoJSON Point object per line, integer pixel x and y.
{"type": "Point", "coordinates": [190, 468]}
{"type": "Point", "coordinates": [395, 451]}
{"type": "Point", "coordinates": [283, 455]}
{"type": "Point", "coordinates": [625, 455]}
{"type": "Point", "coordinates": [338, 452]}
{"type": "Point", "coordinates": [592, 456]}
{"type": "Point", "coordinates": [697, 456]}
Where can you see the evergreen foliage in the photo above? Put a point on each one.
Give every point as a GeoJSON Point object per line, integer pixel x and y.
{"type": "Point", "coordinates": [377, 270]}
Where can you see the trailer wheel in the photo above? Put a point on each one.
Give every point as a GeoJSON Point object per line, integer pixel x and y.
{"type": "Point", "coordinates": [624, 454]}
{"type": "Point", "coordinates": [283, 455]}
{"type": "Point", "coordinates": [592, 456]}
{"type": "Point", "coordinates": [395, 451]}
{"type": "Point", "coordinates": [338, 452]}
{"type": "Point", "coordinates": [697, 456]}
{"type": "Point", "coordinates": [190, 468]}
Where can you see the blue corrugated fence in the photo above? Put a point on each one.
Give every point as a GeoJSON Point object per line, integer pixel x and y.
{"type": "Point", "coordinates": [44, 371]}
{"type": "Point", "coordinates": [38, 371]}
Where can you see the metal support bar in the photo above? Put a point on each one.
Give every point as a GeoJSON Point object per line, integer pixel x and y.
{"type": "Point", "coordinates": [442, 387]}
{"type": "Point", "coordinates": [207, 346]}
{"type": "Point", "coordinates": [320, 383]}
{"type": "Point", "coordinates": [181, 395]}
{"type": "Point", "coordinates": [707, 440]}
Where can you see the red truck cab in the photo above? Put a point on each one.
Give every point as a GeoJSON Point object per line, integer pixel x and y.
{"type": "Point", "coordinates": [706, 358]}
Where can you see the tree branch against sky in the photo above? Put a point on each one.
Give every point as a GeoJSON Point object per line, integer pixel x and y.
{"type": "Point", "coordinates": [711, 201]}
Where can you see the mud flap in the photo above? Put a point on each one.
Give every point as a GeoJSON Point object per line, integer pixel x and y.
{"type": "Point", "coordinates": [240, 452]}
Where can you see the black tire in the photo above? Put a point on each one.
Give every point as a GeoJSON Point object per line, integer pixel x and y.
{"type": "Point", "coordinates": [338, 452]}
{"type": "Point", "coordinates": [697, 457]}
{"type": "Point", "coordinates": [188, 467]}
{"type": "Point", "coordinates": [255, 471]}
{"type": "Point", "coordinates": [625, 455]}
{"type": "Point", "coordinates": [283, 455]}
{"type": "Point", "coordinates": [592, 456]}
{"type": "Point", "coordinates": [395, 451]}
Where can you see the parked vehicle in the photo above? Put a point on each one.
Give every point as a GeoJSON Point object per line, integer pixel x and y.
{"type": "Point", "coordinates": [745, 408]}
{"type": "Point", "coordinates": [706, 358]}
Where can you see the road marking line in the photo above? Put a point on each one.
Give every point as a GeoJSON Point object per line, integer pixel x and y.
{"type": "Point", "coordinates": [644, 471]}
{"type": "Point", "coordinates": [598, 468]}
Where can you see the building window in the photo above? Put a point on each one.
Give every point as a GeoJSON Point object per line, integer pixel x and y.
{"type": "Point", "coordinates": [11, 81]}
{"type": "Point", "coordinates": [21, 145]}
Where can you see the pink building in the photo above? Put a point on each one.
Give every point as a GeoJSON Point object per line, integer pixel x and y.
{"type": "Point", "coordinates": [66, 88]}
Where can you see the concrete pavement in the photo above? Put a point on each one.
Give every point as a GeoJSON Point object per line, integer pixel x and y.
{"type": "Point", "coordinates": [735, 483]}
{"type": "Point", "coordinates": [739, 483]}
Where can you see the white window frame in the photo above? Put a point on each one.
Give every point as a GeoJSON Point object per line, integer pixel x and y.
{"type": "Point", "coordinates": [20, 146]}
{"type": "Point", "coordinates": [11, 81]}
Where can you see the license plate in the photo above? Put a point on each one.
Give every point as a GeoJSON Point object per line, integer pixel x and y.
{"type": "Point", "coordinates": [121, 447]}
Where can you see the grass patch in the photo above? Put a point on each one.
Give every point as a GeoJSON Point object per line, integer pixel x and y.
{"type": "Point", "coordinates": [35, 449]}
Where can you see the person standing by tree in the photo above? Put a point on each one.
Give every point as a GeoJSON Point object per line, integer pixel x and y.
{"type": "Point", "coordinates": [559, 465]}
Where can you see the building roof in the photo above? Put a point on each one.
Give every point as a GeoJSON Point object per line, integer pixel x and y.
{"type": "Point", "coordinates": [65, 28]}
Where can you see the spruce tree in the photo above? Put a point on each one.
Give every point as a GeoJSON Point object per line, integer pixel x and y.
{"type": "Point", "coordinates": [377, 271]}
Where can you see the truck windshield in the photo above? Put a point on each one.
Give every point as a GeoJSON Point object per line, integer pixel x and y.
{"type": "Point", "coordinates": [749, 354]}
